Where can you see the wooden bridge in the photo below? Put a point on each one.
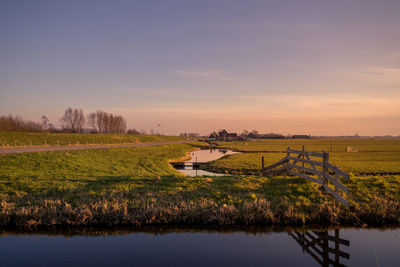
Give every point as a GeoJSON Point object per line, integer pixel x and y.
{"type": "Point", "coordinates": [318, 166]}
{"type": "Point", "coordinates": [317, 245]}
{"type": "Point", "coordinates": [183, 165]}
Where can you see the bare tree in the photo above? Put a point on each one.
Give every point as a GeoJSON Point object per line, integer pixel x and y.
{"type": "Point", "coordinates": [103, 122]}
{"type": "Point", "coordinates": [118, 124]}
{"type": "Point", "coordinates": [73, 120]}
{"type": "Point", "coordinates": [132, 131]}
{"type": "Point", "coordinates": [18, 124]}
{"type": "Point", "coordinates": [244, 134]}
{"type": "Point", "coordinates": [46, 125]}
{"type": "Point", "coordinates": [92, 122]}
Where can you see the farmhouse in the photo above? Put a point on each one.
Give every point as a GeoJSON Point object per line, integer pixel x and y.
{"type": "Point", "coordinates": [213, 136]}
{"type": "Point", "coordinates": [223, 135]}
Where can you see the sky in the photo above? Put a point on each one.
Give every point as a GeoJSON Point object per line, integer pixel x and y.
{"type": "Point", "coordinates": [290, 67]}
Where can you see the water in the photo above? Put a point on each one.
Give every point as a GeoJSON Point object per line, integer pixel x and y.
{"type": "Point", "coordinates": [193, 172]}
{"type": "Point", "coordinates": [204, 156]}
{"type": "Point", "coordinates": [356, 247]}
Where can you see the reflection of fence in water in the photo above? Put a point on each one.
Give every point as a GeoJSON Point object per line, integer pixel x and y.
{"type": "Point", "coordinates": [317, 244]}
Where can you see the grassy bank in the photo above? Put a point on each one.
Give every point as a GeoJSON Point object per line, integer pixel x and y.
{"type": "Point", "coordinates": [137, 186]}
{"type": "Point", "coordinates": [22, 139]}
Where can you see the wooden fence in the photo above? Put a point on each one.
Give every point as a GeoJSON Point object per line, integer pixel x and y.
{"type": "Point", "coordinates": [317, 245]}
{"type": "Point", "coordinates": [318, 166]}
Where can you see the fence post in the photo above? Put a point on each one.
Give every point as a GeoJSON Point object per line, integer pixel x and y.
{"type": "Point", "coordinates": [288, 161]}
{"type": "Point", "coordinates": [337, 189]}
{"type": "Point", "coordinates": [303, 159]}
{"type": "Point", "coordinates": [262, 165]}
{"type": "Point", "coordinates": [324, 170]}
{"type": "Point", "coordinates": [337, 249]}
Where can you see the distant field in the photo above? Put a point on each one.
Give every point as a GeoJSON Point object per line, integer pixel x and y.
{"type": "Point", "coordinates": [376, 156]}
{"type": "Point", "coordinates": [19, 139]}
{"type": "Point", "coordinates": [355, 163]}
{"type": "Point", "coordinates": [327, 144]}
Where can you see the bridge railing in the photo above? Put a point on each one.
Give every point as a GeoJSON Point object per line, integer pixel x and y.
{"type": "Point", "coordinates": [298, 163]}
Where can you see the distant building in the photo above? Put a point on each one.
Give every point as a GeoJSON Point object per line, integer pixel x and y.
{"type": "Point", "coordinates": [213, 136]}
{"type": "Point", "coordinates": [301, 136]}
{"type": "Point", "coordinates": [224, 136]}
{"type": "Point", "coordinates": [265, 136]}
{"type": "Point", "coordinates": [251, 136]}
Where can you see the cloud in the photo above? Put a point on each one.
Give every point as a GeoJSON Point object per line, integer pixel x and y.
{"type": "Point", "coordinates": [382, 75]}
{"type": "Point", "coordinates": [393, 56]}
{"type": "Point", "coordinates": [212, 75]}
{"type": "Point", "coordinates": [346, 102]}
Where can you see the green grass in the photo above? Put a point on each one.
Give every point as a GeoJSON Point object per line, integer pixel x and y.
{"type": "Point", "coordinates": [12, 139]}
{"type": "Point", "coordinates": [71, 173]}
{"type": "Point", "coordinates": [137, 186]}
{"type": "Point", "coordinates": [355, 163]}
{"type": "Point", "coordinates": [327, 144]}
{"type": "Point", "coordinates": [375, 156]}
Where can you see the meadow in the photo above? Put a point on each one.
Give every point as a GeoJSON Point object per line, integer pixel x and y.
{"type": "Point", "coordinates": [317, 144]}
{"type": "Point", "coordinates": [24, 139]}
{"type": "Point", "coordinates": [137, 186]}
{"type": "Point", "coordinates": [362, 163]}
{"type": "Point", "coordinates": [375, 156]}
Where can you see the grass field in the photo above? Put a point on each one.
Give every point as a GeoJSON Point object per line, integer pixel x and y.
{"type": "Point", "coordinates": [22, 139]}
{"type": "Point", "coordinates": [363, 163]}
{"type": "Point", "coordinates": [327, 144]}
{"type": "Point", "coordinates": [137, 186]}
{"type": "Point", "coordinates": [89, 172]}
{"type": "Point", "coordinates": [376, 156]}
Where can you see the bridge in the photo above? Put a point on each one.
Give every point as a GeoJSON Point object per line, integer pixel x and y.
{"type": "Point", "coordinates": [183, 165]}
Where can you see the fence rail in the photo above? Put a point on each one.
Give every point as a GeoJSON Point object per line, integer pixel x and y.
{"type": "Point", "coordinates": [324, 173]}
{"type": "Point", "coordinates": [317, 245]}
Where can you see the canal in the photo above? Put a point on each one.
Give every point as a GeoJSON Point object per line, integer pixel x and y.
{"type": "Point", "coordinates": [202, 247]}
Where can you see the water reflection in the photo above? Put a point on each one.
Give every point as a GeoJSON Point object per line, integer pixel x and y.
{"type": "Point", "coordinates": [177, 246]}
{"type": "Point", "coordinates": [206, 155]}
{"type": "Point", "coordinates": [192, 167]}
{"type": "Point", "coordinates": [317, 245]}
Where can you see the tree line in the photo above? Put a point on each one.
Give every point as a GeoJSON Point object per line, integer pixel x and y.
{"type": "Point", "coordinates": [12, 123]}
{"type": "Point", "coordinates": [72, 121]}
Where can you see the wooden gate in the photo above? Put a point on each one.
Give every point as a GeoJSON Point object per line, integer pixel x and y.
{"type": "Point", "coordinates": [317, 245]}
{"type": "Point", "coordinates": [318, 166]}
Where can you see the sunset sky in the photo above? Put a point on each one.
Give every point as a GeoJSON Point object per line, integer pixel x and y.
{"type": "Point", "coordinates": [291, 67]}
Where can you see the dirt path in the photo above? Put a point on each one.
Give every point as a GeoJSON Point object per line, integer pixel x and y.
{"type": "Point", "coordinates": [80, 147]}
